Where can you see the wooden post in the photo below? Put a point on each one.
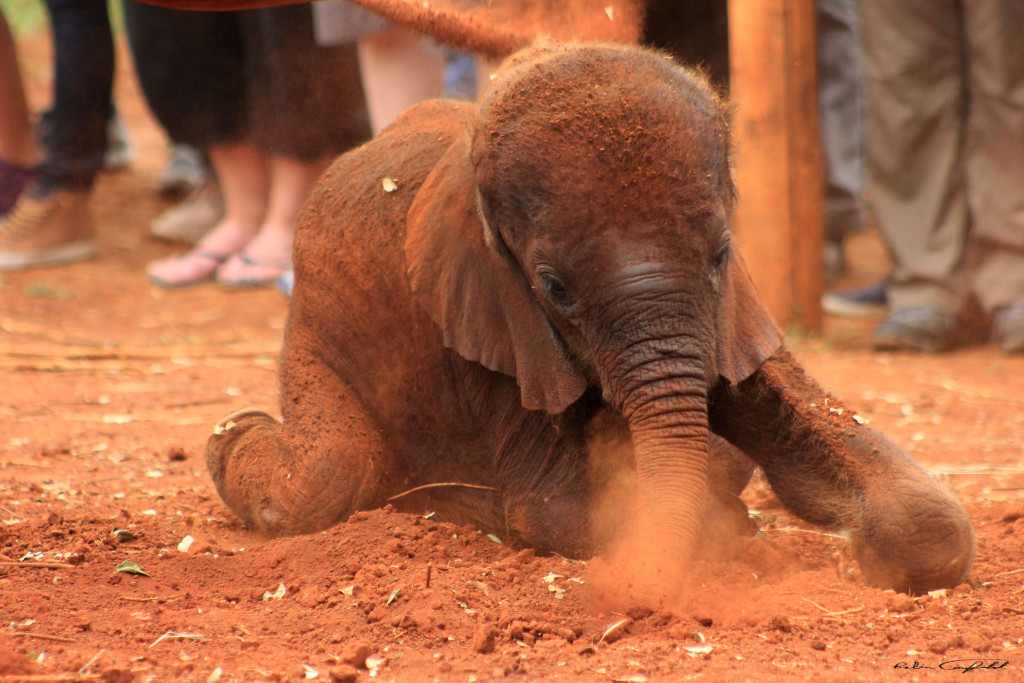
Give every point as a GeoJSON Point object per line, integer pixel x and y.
{"type": "Point", "coordinates": [778, 224]}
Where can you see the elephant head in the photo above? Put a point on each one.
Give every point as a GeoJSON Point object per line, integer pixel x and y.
{"type": "Point", "coordinates": [577, 235]}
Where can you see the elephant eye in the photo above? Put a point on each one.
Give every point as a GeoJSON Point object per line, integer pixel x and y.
{"type": "Point", "coordinates": [556, 290]}
{"type": "Point", "coordinates": [721, 258]}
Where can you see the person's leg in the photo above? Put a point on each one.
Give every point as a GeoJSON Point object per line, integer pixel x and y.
{"type": "Point", "coordinates": [245, 182]}
{"type": "Point", "coordinates": [190, 66]}
{"type": "Point", "coordinates": [995, 162]}
{"type": "Point", "coordinates": [76, 136]}
{"type": "Point", "coordinates": [916, 102]}
{"type": "Point", "coordinates": [17, 141]}
{"type": "Point", "coordinates": [269, 252]}
{"type": "Point", "coordinates": [50, 223]}
{"type": "Point", "coordinates": [398, 70]}
{"type": "Point", "coordinates": [841, 116]}
{"type": "Point", "coordinates": [293, 81]}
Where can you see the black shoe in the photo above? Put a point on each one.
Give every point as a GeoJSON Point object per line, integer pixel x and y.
{"type": "Point", "coordinates": [1008, 328]}
{"type": "Point", "coordinates": [852, 303]}
{"type": "Point", "coordinates": [914, 329]}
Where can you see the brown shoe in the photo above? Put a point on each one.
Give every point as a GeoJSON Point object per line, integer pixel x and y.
{"type": "Point", "coordinates": [46, 231]}
{"type": "Point", "coordinates": [193, 218]}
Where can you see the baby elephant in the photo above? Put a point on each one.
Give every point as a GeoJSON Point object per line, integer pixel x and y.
{"type": "Point", "coordinates": [490, 298]}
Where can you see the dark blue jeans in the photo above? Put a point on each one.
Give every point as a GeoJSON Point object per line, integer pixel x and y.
{"type": "Point", "coordinates": [74, 134]}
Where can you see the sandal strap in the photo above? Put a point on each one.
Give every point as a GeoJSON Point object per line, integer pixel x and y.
{"type": "Point", "coordinates": [250, 261]}
{"type": "Point", "coordinates": [210, 255]}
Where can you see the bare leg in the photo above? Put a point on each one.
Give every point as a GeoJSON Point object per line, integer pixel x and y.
{"type": "Point", "coordinates": [908, 532]}
{"type": "Point", "coordinates": [270, 249]}
{"type": "Point", "coordinates": [398, 71]}
{"type": "Point", "coordinates": [244, 181]}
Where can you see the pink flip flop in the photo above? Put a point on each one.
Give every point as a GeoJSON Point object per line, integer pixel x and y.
{"type": "Point", "coordinates": [202, 273]}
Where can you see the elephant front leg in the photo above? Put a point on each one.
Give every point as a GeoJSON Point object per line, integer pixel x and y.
{"type": "Point", "coordinates": [315, 468]}
{"type": "Point", "coordinates": [908, 532]}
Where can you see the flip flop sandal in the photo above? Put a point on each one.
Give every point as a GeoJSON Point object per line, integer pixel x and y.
{"type": "Point", "coordinates": [261, 281]}
{"type": "Point", "coordinates": [205, 274]}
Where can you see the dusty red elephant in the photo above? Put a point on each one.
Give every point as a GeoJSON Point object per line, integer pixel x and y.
{"type": "Point", "coordinates": [491, 294]}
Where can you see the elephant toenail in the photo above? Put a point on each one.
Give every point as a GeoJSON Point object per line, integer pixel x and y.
{"type": "Point", "coordinates": [226, 427]}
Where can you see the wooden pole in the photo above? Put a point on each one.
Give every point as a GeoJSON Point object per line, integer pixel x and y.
{"type": "Point", "coordinates": [778, 224]}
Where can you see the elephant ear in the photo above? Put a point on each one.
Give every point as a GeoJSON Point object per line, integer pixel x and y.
{"type": "Point", "coordinates": [478, 296]}
{"type": "Point", "coordinates": [747, 335]}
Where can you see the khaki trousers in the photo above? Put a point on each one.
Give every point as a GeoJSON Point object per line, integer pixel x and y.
{"type": "Point", "coordinates": [944, 82]}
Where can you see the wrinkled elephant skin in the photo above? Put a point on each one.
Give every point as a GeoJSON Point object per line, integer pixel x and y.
{"type": "Point", "coordinates": [528, 310]}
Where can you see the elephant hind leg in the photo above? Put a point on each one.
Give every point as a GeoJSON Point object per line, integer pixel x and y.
{"type": "Point", "coordinates": [304, 474]}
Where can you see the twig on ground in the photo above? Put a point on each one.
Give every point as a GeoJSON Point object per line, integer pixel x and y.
{"type": "Point", "coordinates": [191, 352]}
{"type": "Point", "coordinates": [153, 599]}
{"type": "Point", "coordinates": [37, 636]}
{"type": "Point", "coordinates": [796, 530]}
{"type": "Point", "coordinates": [968, 470]}
{"type": "Point", "coordinates": [38, 565]}
{"type": "Point", "coordinates": [84, 670]}
{"type": "Point", "coordinates": [49, 678]}
{"type": "Point", "coordinates": [171, 634]}
{"type": "Point", "coordinates": [830, 613]}
{"type": "Point", "coordinates": [439, 485]}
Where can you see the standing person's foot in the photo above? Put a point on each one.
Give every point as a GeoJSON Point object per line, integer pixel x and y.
{"type": "Point", "coordinates": [1008, 328]}
{"type": "Point", "coordinates": [263, 259]}
{"type": "Point", "coordinates": [191, 268]}
{"type": "Point", "coordinates": [186, 171]}
{"type": "Point", "coordinates": [46, 229]}
{"type": "Point", "coordinates": [193, 218]}
{"type": "Point", "coordinates": [202, 262]}
{"type": "Point", "coordinates": [914, 329]}
{"type": "Point", "coordinates": [242, 270]}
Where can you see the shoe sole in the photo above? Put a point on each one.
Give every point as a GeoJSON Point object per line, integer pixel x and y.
{"type": "Point", "coordinates": [837, 305]}
{"type": "Point", "coordinates": [896, 343]}
{"type": "Point", "coordinates": [50, 256]}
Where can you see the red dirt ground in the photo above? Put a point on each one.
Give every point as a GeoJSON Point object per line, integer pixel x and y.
{"type": "Point", "coordinates": [111, 387]}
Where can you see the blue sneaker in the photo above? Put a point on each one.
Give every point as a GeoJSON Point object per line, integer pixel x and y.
{"type": "Point", "coordinates": [854, 303]}
{"type": "Point", "coordinates": [914, 329]}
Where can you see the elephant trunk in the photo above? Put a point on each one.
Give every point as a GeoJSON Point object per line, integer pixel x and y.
{"type": "Point", "coordinates": [665, 404]}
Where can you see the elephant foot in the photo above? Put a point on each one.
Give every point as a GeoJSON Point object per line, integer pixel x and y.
{"type": "Point", "coordinates": [284, 482]}
{"type": "Point", "coordinates": [909, 533]}
{"type": "Point", "coordinates": [912, 535]}
{"type": "Point", "coordinates": [242, 456]}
